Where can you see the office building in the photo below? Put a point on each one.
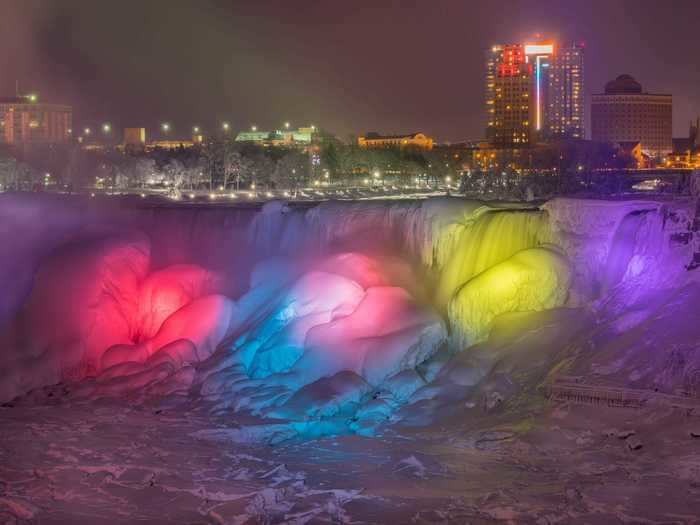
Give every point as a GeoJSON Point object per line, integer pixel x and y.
{"type": "Point", "coordinates": [624, 113]}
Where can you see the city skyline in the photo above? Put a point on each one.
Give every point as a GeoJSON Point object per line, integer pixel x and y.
{"type": "Point", "coordinates": [349, 69]}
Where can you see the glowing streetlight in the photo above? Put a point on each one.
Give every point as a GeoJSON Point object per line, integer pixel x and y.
{"type": "Point", "coordinates": [87, 131]}
{"type": "Point", "coordinates": [376, 174]}
{"type": "Point", "coordinates": [32, 97]}
{"type": "Point", "coordinates": [225, 126]}
{"type": "Point", "coordinates": [254, 128]}
{"type": "Point", "coordinates": [313, 128]}
{"type": "Point", "coordinates": [286, 125]}
{"type": "Point", "coordinates": [165, 127]}
{"type": "Point", "coordinates": [106, 128]}
{"type": "Point", "coordinates": [195, 130]}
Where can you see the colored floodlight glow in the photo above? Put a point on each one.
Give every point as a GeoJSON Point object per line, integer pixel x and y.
{"type": "Point", "coordinates": [538, 67]}
{"type": "Point", "coordinates": [539, 49]}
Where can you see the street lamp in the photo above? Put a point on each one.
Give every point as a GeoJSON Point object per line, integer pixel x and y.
{"type": "Point", "coordinates": [106, 128]}
{"type": "Point", "coordinates": [254, 128]}
{"type": "Point", "coordinates": [225, 126]}
{"type": "Point", "coordinates": [87, 131]}
{"type": "Point", "coordinates": [195, 130]}
{"type": "Point", "coordinates": [165, 127]}
{"type": "Point", "coordinates": [286, 125]}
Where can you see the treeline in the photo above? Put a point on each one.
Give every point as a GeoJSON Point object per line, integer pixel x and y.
{"type": "Point", "coordinates": [220, 164]}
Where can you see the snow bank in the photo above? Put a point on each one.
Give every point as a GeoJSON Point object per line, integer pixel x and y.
{"type": "Point", "coordinates": [83, 301]}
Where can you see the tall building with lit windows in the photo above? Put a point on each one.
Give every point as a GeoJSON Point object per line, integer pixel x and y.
{"type": "Point", "coordinates": [508, 89]}
{"type": "Point", "coordinates": [565, 115]}
{"type": "Point", "coordinates": [534, 91]}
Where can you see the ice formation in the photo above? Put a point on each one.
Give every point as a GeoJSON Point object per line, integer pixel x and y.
{"type": "Point", "coordinates": [312, 319]}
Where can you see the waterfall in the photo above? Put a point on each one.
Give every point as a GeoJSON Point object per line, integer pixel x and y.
{"type": "Point", "coordinates": [622, 248]}
{"type": "Point", "coordinates": [488, 240]}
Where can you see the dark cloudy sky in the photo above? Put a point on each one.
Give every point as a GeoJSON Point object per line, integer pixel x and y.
{"type": "Point", "coordinates": [349, 66]}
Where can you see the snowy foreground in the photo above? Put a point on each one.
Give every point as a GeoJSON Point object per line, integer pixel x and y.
{"type": "Point", "coordinates": [432, 361]}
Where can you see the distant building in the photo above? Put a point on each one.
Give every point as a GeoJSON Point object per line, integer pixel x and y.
{"type": "Point", "coordinates": [624, 113]}
{"type": "Point", "coordinates": [509, 88]}
{"type": "Point", "coordinates": [289, 138]}
{"type": "Point", "coordinates": [564, 94]}
{"type": "Point", "coordinates": [24, 121]}
{"type": "Point", "coordinates": [634, 151]}
{"type": "Point", "coordinates": [534, 92]}
{"type": "Point", "coordinates": [413, 140]}
{"type": "Point", "coordinates": [135, 138]}
{"type": "Point", "coordinates": [169, 144]}
{"type": "Point", "coordinates": [686, 150]}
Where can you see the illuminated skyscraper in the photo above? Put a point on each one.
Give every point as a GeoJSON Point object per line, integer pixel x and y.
{"type": "Point", "coordinates": [534, 91]}
{"type": "Point", "coordinates": [565, 103]}
{"type": "Point", "coordinates": [508, 88]}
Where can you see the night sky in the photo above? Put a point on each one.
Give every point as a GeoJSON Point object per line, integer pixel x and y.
{"type": "Point", "coordinates": [348, 66]}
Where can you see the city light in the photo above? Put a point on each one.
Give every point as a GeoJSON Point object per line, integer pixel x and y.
{"type": "Point", "coordinates": [106, 128]}
{"type": "Point", "coordinates": [87, 131]}
{"type": "Point", "coordinates": [165, 127]}
{"type": "Point", "coordinates": [539, 49]}
{"type": "Point", "coordinates": [32, 97]}
{"type": "Point", "coordinates": [254, 128]}
{"type": "Point", "coordinates": [195, 129]}
{"type": "Point", "coordinates": [225, 126]}
{"type": "Point", "coordinates": [286, 125]}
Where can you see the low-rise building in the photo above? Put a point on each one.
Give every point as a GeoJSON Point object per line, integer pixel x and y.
{"type": "Point", "coordinates": [24, 121]}
{"type": "Point", "coordinates": [134, 138]}
{"type": "Point", "coordinates": [301, 137]}
{"type": "Point", "coordinates": [413, 140]}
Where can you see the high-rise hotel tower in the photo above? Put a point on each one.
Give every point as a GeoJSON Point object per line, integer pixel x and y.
{"type": "Point", "coordinates": [534, 91]}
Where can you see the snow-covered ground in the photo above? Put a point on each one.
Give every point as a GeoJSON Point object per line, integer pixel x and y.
{"type": "Point", "coordinates": [348, 361]}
